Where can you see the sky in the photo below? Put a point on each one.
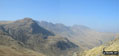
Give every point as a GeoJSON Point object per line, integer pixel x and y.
{"type": "Point", "coordinates": [101, 15]}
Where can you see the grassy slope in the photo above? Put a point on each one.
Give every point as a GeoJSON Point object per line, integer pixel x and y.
{"type": "Point", "coordinates": [97, 51]}
{"type": "Point", "coordinates": [9, 51]}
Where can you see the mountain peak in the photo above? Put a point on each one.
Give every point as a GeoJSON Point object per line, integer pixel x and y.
{"type": "Point", "coordinates": [28, 25]}
{"type": "Point", "coordinates": [27, 19]}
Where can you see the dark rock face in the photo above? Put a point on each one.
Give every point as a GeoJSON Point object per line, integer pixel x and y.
{"type": "Point", "coordinates": [65, 45]}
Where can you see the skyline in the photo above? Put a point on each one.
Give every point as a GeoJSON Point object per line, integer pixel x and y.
{"type": "Point", "coordinates": [101, 15]}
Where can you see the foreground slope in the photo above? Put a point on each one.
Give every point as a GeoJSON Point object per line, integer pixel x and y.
{"type": "Point", "coordinates": [10, 51]}
{"type": "Point", "coordinates": [97, 51]}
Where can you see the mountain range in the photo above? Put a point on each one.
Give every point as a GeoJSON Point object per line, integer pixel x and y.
{"type": "Point", "coordinates": [30, 37]}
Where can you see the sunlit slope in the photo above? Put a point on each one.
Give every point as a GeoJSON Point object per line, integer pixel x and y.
{"type": "Point", "coordinates": [97, 51]}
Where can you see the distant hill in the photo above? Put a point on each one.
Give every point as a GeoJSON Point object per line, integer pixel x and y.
{"type": "Point", "coordinates": [58, 28]}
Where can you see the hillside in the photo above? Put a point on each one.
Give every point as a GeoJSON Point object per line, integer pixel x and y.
{"type": "Point", "coordinates": [27, 34]}
{"type": "Point", "coordinates": [10, 51]}
{"type": "Point", "coordinates": [11, 47]}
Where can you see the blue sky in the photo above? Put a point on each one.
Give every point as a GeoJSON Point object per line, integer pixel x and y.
{"type": "Point", "coordinates": [101, 15]}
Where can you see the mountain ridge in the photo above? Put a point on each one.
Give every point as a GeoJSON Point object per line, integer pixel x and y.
{"type": "Point", "coordinates": [28, 34]}
{"type": "Point", "coordinates": [79, 34]}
